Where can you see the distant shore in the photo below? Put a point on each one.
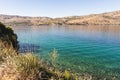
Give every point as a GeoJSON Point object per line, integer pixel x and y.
{"type": "Point", "coordinates": [110, 18]}
{"type": "Point", "coordinates": [64, 25]}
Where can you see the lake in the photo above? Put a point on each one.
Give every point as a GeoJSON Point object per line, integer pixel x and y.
{"type": "Point", "coordinates": [84, 49]}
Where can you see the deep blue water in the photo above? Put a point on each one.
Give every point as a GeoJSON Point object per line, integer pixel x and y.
{"type": "Point", "coordinates": [87, 49]}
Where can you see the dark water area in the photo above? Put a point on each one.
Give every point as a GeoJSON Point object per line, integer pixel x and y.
{"type": "Point", "coordinates": [87, 49]}
{"type": "Point", "coordinates": [26, 47]}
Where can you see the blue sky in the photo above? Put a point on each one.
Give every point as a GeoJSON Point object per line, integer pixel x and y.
{"type": "Point", "coordinates": [57, 8]}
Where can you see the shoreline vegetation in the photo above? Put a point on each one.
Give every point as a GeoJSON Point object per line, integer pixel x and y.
{"type": "Point", "coordinates": [109, 18]}
{"type": "Point", "coordinates": [28, 66]}
{"type": "Point", "coordinates": [8, 36]}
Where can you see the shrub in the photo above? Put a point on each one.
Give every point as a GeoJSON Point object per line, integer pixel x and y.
{"type": "Point", "coordinates": [53, 57]}
{"type": "Point", "coordinates": [8, 35]}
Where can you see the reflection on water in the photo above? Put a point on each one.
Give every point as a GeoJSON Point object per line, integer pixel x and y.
{"type": "Point", "coordinates": [92, 49]}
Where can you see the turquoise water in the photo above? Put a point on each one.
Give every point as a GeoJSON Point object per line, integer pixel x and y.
{"type": "Point", "coordinates": [87, 49]}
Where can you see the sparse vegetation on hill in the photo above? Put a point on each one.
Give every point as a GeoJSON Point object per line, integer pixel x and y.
{"type": "Point", "coordinates": [110, 18]}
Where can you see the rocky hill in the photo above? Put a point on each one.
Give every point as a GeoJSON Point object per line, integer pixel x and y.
{"type": "Point", "coordinates": [109, 18]}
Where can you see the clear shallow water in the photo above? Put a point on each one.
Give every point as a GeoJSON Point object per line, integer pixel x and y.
{"type": "Point", "coordinates": [89, 49]}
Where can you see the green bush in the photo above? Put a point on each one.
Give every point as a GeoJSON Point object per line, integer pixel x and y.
{"type": "Point", "coordinates": [8, 35]}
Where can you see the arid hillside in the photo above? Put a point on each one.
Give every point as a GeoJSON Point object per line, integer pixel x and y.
{"type": "Point", "coordinates": [109, 18]}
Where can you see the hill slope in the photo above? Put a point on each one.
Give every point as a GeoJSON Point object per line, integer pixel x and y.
{"type": "Point", "coordinates": [110, 18]}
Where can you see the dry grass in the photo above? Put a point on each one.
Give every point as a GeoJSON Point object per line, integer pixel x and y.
{"type": "Point", "coordinates": [14, 66]}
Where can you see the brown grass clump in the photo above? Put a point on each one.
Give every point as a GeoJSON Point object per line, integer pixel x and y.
{"type": "Point", "coordinates": [14, 66]}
